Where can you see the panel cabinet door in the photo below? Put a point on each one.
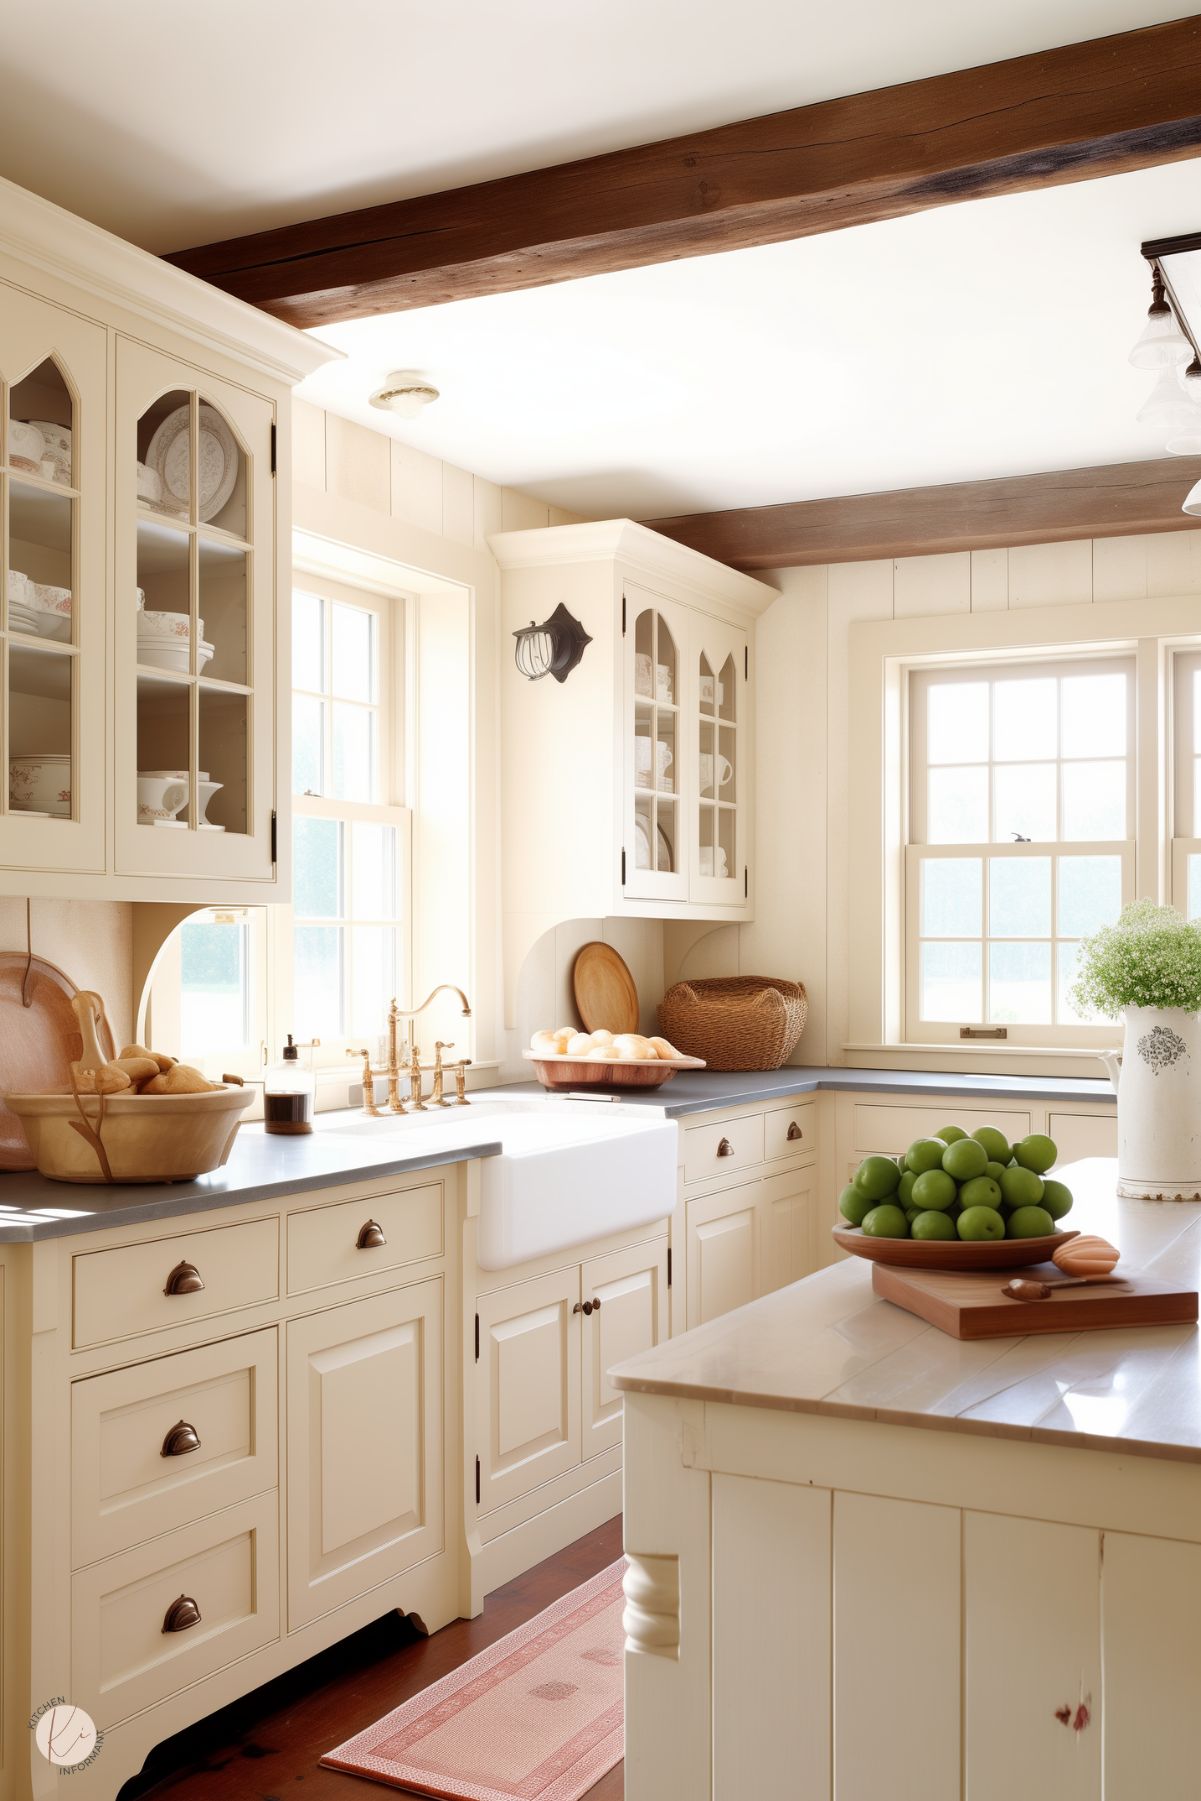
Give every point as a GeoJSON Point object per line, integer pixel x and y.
{"type": "Point", "coordinates": [718, 733]}
{"type": "Point", "coordinates": [53, 587]}
{"type": "Point", "coordinates": [628, 1293]}
{"type": "Point", "coordinates": [527, 1390]}
{"type": "Point", "coordinates": [786, 1238]}
{"type": "Point", "coordinates": [1032, 1648]}
{"type": "Point", "coordinates": [724, 1250]}
{"type": "Point", "coordinates": [1083, 1135]}
{"type": "Point", "coordinates": [1151, 1653]}
{"type": "Point", "coordinates": [657, 769]}
{"type": "Point", "coordinates": [365, 1454]}
{"type": "Point", "coordinates": [195, 630]}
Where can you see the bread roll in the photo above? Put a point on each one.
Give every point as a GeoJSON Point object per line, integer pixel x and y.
{"type": "Point", "coordinates": [662, 1048]}
{"type": "Point", "coordinates": [138, 1069]}
{"type": "Point", "coordinates": [108, 1080]}
{"type": "Point", "coordinates": [159, 1060]}
{"type": "Point", "coordinates": [636, 1046]}
{"type": "Point", "coordinates": [601, 1036]}
{"type": "Point", "coordinates": [579, 1044]}
{"type": "Point", "coordinates": [181, 1078]}
{"type": "Point", "coordinates": [545, 1043]}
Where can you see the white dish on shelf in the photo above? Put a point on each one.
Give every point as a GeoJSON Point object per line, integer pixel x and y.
{"type": "Point", "coordinates": [160, 798]}
{"type": "Point", "coordinates": [170, 456]}
{"type": "Point", "coordinates": [51, 608]}
{"type": "Point", "coordinates": [24, 619]}
{"type": "Point", "coordinates": [41, 782]}
{"type": "Point", "coordinates": [26, 446]}
{"type": "Point", "coordinates": [154, 624]}
{"type": "Point", "coordinates": [150, 485]}
{"type": "Point", "coordinates": [56, 440]}
{"type": "Point", "coordinates": [173, 654]}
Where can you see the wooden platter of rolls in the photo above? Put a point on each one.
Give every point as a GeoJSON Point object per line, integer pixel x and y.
{"type": "Point", "coordinates": [602, 1059]}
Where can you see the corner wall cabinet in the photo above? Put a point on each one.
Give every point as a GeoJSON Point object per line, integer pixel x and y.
{"type": "Point", "coordinates": [628, 788]}
{"type": "Point", "coordinates": [144, 420]}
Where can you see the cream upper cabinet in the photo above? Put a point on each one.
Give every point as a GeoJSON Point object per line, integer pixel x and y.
{"type": "Point", "coordinates": [627, 787]}
{"type": "Point", "coordinates": [145, 547]}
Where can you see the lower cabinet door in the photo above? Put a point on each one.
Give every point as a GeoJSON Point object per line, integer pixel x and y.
{"type": "Point", "coordinates": [628, 1293]}
{"type": "Point", "coordinates": [789, 1223]}
{"type": "Point", "coordinates": [724, 1251]}
{"type": "Point", "coordinates": [528, 1386]}
{"type": "Point", "coordinates": [365, 1452]}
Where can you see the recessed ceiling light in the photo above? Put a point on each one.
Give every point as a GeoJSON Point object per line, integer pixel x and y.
{"type": "Point", "coordinates": [405, 392]}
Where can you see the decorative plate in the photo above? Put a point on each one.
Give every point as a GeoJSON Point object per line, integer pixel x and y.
{"type": "Point", "coordinates": [951, 1253]}
{"type": "Point", "coordinates": [170, 457]}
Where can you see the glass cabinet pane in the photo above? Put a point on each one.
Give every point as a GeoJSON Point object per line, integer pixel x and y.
{"type": "Point", "coordinates": [224, 738]}
{"type": "Point", "coordinates": [41, 425]}
{"type": "Point", "coordinates": [656, 743]}
{"type": "Point", "coordinates": [40, 713]}
{"type": "Point", "coordinates": [41, 561]}
{"type": "Point", "coordinates": [224, 588]}
{"type": "Point", "coordinates": [717, 767]}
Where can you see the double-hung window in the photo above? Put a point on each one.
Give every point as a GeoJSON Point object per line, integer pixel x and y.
{"type": "Point", "coordinates": [1186, 842]}
{"type": "Point", "coordinates": [1021, 839]}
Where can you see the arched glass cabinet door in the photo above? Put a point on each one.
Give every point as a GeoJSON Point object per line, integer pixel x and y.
{"type": "Point", "coordinates": [195, 631]}
{"type": "Point", "coordinates": [54, 588]}
{"type": "Point", "coordinates": [720, 733]}
{"type": "Point", "coordinates": [655, 833]}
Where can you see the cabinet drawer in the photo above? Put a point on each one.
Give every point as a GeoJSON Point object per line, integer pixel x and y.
{"type": "Point", "coordinates": [790, 1131]}
{"type": "Point", "coordinates": [166, 1442]}
{"type": "Point", "coordinates": [717, 1150]}
{"type": "Point", "coordinates": [1083, 1135]}
{"type": "Point", "coordinates": [125, 1659]}
{"type": "Point", "coordinates": [122, 1292]}
{"type": "Point", "coordinates": [343, 1243]}
{"type": "Point", "coordinates": [893, 1129]}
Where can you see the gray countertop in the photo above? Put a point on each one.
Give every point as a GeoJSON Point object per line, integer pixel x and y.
{"type": "Point", "coordinates": [260, 1167]}
{"type": "Point", "coordinates": [829, 1345]}
{"type": "Point", "coordinates": [704, 1090]}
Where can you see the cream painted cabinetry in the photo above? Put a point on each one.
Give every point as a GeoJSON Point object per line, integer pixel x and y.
{"type": "Point", "coordinates": [144, 425]}
{"type": "Point", "coordinates": [539, 1408]}
{"type": "Point", "coordinates": [204, 1485]}
{"type": "Point", "coordinates": [748, 1209]}
{"type": "Point", "coordinates": [627, 789]}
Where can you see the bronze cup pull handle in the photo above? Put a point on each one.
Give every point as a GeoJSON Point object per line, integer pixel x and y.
{"type": "Point", "coordinates": [371, 1236]}
{"type": "Point", "coordinates": [794, 1132]}
{"type": "Point", "coordinates": [181, 1614]}
{"type": "Point", "coordinates": [185, 1278]}
{"type": "Point", "coordinates": [725, 1148]}
{"type": "Point", "coordinates": [181, 1439]}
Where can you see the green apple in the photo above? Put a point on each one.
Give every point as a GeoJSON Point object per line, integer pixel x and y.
{"type": "Point", "coordinates": [965, 1159]}
{"type": "Point", "coordinates": [981, 1191]}
{"type": "Point", "coordinates": [877, 1178]}
{"type": "Point", "coordinates": [994, 1170]}
{"type": "Point", "coordinates": [905, 1187]}
{"type": "Point", "coordinates": [854, 1205]}
{"type": "Point", "coordinates": [1021, 1187]}
{"type": "Point", "coordinates": [1056, 1199]}
{"type": "Point", "coordinates": [980, 1222]}
{"type": "Point", "coordinates": [1036, 1151]}
{"type": "Point", "coordinates": [911, 1213]}
{"type": "Point", "coordinates": [934, 1188]}
{"type": "Point", "coordinates": [924, 1154]}
{"type": "Point", "coordinates": [887, 1221]}
{"type": "Point", "coordinates": [1029, 1222]}
{"type": "Point", "coordinates": [932, 1224]}
{"type": "Point", "coordinates": [950, 1134]}
{"type": "Point", "coordinates": [994, 1142]}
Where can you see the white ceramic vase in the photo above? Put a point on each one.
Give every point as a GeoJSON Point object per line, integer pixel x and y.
{"type": "Point", "coordinates": [1157, 1078]}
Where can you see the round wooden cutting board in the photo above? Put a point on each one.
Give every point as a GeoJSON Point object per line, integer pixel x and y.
{"type": "Point", "coordinates": [604, 990]}
{"type": "Point", "coordinates": [38, 1043]}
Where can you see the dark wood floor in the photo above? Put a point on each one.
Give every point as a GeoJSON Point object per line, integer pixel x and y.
{"type": "Point", "coordinates": [266, 1746]}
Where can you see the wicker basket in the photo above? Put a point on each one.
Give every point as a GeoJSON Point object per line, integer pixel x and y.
{"type": "Point", "coordinates": [735, 1022]}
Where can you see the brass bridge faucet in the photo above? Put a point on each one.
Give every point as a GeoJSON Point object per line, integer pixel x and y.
{"type": "Point", "coordinates": [412, 1065]}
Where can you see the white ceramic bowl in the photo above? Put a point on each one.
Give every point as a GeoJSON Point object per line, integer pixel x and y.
{"type": "Point", "coordinates": [26, 446]}
{"type": "Point", "coordinates": [153, 624]}
{"type": "Point", "coordinates": [56, 440]}
{"type": "Point", "coordinates": [160, 797]}
{"type": "Point", "coordinates": [24, 619]}
{"type": "Point", "coordinates": [18, 587]}
{"type": "Point", "coordinates": [169, 653]}
{"type": "Point", "coordinates": [41, 783]}
{"type": "Point", "coordinates": [52, 607]}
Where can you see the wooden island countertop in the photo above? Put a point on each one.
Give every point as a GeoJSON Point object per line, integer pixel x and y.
{"type": "Point", "coordinates": [829, 1345]}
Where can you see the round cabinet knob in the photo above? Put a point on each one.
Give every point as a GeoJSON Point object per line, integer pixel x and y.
{"type": "Point", "coordinates": [371, 1236]}
{"type": "Point", "coordinates": [181, 1439]}
{"type": "Point", "coordinates": [596, 1303]}
{"type": "Point", "coordinates": [181, 1614]}
{"type": "Point", "coordinates": [725, 1148]}
{"type": "Point", "coordinates": [185, 1278]}
{"type": "Point", "coordinates": [794, 1132]}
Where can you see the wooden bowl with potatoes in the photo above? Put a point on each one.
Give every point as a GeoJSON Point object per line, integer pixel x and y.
{"type": "Point", "coordinates": [570, 1059]}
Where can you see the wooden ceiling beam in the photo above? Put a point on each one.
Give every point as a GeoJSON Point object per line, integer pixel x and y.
{"type": "Point", "coordinates": [1083, 110]}
{"type": "Point", "coordinates": [1109, 502]}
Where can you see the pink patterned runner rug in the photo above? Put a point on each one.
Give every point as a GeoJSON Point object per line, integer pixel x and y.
{"type": "Point", "coordinates": [538, 1716]}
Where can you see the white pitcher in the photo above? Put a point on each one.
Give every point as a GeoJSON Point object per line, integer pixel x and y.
{"type": "Point", "coordinates": [1157, 1079]}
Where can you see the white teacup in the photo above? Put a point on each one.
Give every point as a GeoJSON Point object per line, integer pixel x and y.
{"type": "Point", "coordinates": [711, 688]}
{"type": "Point", "coordinates": [725, 770]}
{"type": "Point", "coordinates": [160, 797]}
{"type": "Point", "coordinates": [642, 756]}
{"type": "Point", "coordinates": [707, 860]}
{"type": "Point", "coordinates": [663, 681]}
{"type": "Point", "coordinates": [643, 683]}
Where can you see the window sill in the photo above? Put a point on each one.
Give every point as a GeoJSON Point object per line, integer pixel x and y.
{"type": "Point", "coordinates": [993, 1059]}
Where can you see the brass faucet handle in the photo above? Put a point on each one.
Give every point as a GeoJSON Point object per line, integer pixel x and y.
{"type": "Point", "coordinates": [460, 1069]}
{"type": "Point", "coordinates": [369, 1106]}
{"type": "Point", "coordinates": [441, 1045]}
{"type": "Point", "coordinates": [417, 1100]}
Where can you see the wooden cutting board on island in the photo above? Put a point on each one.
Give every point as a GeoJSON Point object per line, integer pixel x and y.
{"type": "Point", "coordinates": [971, 1304]}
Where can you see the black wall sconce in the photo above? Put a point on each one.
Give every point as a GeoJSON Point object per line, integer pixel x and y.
{"type": "Point", "coordinates": [552, 648]}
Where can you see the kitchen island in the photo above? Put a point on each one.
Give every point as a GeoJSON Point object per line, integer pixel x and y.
{"type": "Point", "coordinates": [869, 1560]}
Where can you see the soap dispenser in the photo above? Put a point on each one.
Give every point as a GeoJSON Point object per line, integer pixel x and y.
{"type": "Point", "coordinates": [288, 1093]}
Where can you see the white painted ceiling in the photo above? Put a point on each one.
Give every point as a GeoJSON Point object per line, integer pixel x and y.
{"type": "Point", "coordinates": [176, 124]}
{"type": "Point", "coordinates": [977, 340]}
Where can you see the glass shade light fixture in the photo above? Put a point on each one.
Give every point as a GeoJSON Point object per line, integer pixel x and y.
{"type": "Point", "coordinates": [1161, 343]}
{"type": "Point", "coordinates": [1192, 501]}
{"type": "Point", "coordinates": [552, 648]}
{"type": "Point", "coordinates": [1184, 437]}
{"type": "Point", "coordinates": [1167, 407]}
{"type": "Point", "coordinates": [406, 392]}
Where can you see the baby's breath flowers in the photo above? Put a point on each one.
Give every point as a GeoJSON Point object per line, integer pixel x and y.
{"type": "Point", "coordinates": [1150, 957]}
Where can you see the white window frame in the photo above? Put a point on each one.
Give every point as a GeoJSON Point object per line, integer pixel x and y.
{"type": "Point", "coordinates": [1186, 798]}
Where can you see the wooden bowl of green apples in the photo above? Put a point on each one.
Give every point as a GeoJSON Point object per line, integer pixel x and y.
{"type": "Point", "coordinates": [957, 1200]}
